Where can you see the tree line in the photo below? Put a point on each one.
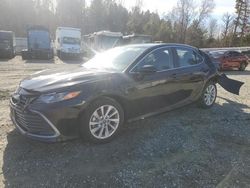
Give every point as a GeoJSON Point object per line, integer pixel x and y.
{"type": "Point", "coordinates": [188, 22]}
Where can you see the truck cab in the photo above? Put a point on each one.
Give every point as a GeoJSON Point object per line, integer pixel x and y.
{"type": "Point", "coordinates": [68, 42]}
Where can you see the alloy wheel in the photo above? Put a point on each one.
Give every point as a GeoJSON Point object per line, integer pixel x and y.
{"type": "Point", "coordinates": [104, 122]}
{"type": "Point", "coordinates": [210, 95]}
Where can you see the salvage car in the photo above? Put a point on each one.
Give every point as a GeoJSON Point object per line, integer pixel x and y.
{"type": "Point", "coordinates": [230, 59]}
{"type": "Point", "coordinates": [117, 86]}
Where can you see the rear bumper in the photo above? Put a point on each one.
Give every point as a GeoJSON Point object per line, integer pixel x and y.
{"type": "Point", "coordinates": [6, 53]}
{"type": "Point", "coordinates": [70, 55]}
{"type": "Point", "coordinates": [38, 54]}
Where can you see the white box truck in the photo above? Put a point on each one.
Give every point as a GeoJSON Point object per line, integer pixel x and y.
{"type": "Point", "coordinates": [68, 42]}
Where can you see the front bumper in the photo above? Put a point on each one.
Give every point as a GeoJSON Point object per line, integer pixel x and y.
{"type": "Point", "coordinates": [48, 124]}
{"type": "Point", "coordinates": [24, 130]}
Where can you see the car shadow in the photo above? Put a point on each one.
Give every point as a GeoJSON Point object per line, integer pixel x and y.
{"type": "Point", "coordinates": [164, 137]}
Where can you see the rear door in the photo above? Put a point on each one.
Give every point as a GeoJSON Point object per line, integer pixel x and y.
{"type": "Point", "coordinates": [191, 74]}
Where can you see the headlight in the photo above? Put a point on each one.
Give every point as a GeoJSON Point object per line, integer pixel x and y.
{"type": "Point", "coordinates": [57, 97]}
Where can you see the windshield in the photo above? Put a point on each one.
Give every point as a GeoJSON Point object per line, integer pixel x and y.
{"type": "Point", "coordinates": [217, 54]}
{"type": "Point", "coordinates": [71, 40]}
{"type": "Point", "coordinates": [117, 58]}
{"type": "Point", "coordinates": [108, 42]}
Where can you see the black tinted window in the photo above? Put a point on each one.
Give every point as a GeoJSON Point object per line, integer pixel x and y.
{"type": "Point", "coordinates": [235, 54]}
{"type": "Point", "coordinates": [161, 59]}
{"type": "Point", "coordinates": [187, 57]}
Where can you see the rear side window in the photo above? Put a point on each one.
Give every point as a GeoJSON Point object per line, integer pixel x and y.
{"type": "Point", "coordinates": [187, 57]}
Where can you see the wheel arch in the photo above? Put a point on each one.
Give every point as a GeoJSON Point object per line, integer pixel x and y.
{"type": "Point", "coordinates": [120, 100]}
{"type": "Point", "coordinates": [213, 79]}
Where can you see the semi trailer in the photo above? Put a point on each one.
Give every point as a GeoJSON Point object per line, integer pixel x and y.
{"type": "Point", "coordinates": [7, 44]}
{"type": "Point", "coordinates": [39, 44]}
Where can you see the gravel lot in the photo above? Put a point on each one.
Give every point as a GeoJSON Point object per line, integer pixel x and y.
{"type": "Point", "coordinates": [188, 147]}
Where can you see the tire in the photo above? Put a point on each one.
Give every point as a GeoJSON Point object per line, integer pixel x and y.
{"type": "Point", "coordinates": [208, 96]}
{"type": "Point", "coordinates": [50, 55]}
{"type": "Point", "coordinates": [25, 55]}
{"type": "Point", "coordinates": [95, 128]}
{"type": "Point", "coordinates": [243, 66]}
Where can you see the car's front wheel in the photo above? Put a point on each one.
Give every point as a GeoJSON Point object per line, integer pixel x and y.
{"type": "Point", "coordinates": [208, 96]}
{"type": "Point", "coordinates": [102, 120]}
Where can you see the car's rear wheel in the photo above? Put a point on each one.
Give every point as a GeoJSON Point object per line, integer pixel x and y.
{"type": "Point", "coordinates": [208, 96]}
{"type": "Point", "coordinates": [102, 120]}
{"type": "Point", "coordinates": [243, 66]}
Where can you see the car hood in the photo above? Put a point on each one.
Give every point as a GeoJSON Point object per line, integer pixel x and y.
{"type": "Point", "coordinates": [48, 80]}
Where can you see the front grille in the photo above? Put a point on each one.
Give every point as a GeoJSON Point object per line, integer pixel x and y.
{"type": "Point", "coordinates": [30, 122]}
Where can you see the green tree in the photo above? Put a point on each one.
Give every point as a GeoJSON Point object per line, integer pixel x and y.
{"type": "Point", "coordinates": [70, 13]}
{"type": "Point", "coordinates": [241, 20]}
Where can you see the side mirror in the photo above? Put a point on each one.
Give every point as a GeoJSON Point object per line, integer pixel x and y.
{"type": "Point", "coordinates": [148, 69]}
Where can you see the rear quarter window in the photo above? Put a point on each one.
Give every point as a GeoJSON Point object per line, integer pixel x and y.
{"type": "Point", "coordinates": [188, 57]}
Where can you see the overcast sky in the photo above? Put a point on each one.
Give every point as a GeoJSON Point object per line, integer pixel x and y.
{"type": "Point", "coordinates": [164, 6]}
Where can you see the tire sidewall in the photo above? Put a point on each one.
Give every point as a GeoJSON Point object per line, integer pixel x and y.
{"type": "Point", "coordinates": [202, 99]}
{"type": "Point", "coordinates": [84, 123]}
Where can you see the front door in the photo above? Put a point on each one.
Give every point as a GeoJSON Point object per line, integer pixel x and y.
{"type": "Point", "coordinates": [156, 90]}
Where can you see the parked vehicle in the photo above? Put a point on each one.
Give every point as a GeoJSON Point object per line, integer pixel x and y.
{"type": "Point", "coordinates": [21, 44]}
{"type": "Point", "coordinates": [103, 40]}
{"type": "Point", "coordinates": [246, 52]}
{"type": "Point", "coordinates": [39, 44]}
{"type": "Point", "coordinates": [7, 44]}
{"type": "Point", "coordinates": [137, 39]}
{"type": "Point", "coordinates": [230, 59]}
{"type": "Point", "coordinates": [68, 42]}
{"type": "Point", "coordinates": [121, 84]}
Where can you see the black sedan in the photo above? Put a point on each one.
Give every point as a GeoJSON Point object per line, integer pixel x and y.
{"type": "Point", "coordinates": [119, 85]}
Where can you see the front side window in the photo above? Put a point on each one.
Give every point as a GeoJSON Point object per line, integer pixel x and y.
{"type": "Point", "coordinates": [187, 57]}
{"type": "Point", "coordinates": [161, 59]}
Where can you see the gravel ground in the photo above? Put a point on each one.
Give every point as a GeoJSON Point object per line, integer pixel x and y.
{"type": "Point", "coordinates": [188, 147]}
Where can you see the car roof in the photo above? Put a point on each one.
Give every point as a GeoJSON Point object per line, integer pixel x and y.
{"type": "Point", "coordinates": [156, 45]}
